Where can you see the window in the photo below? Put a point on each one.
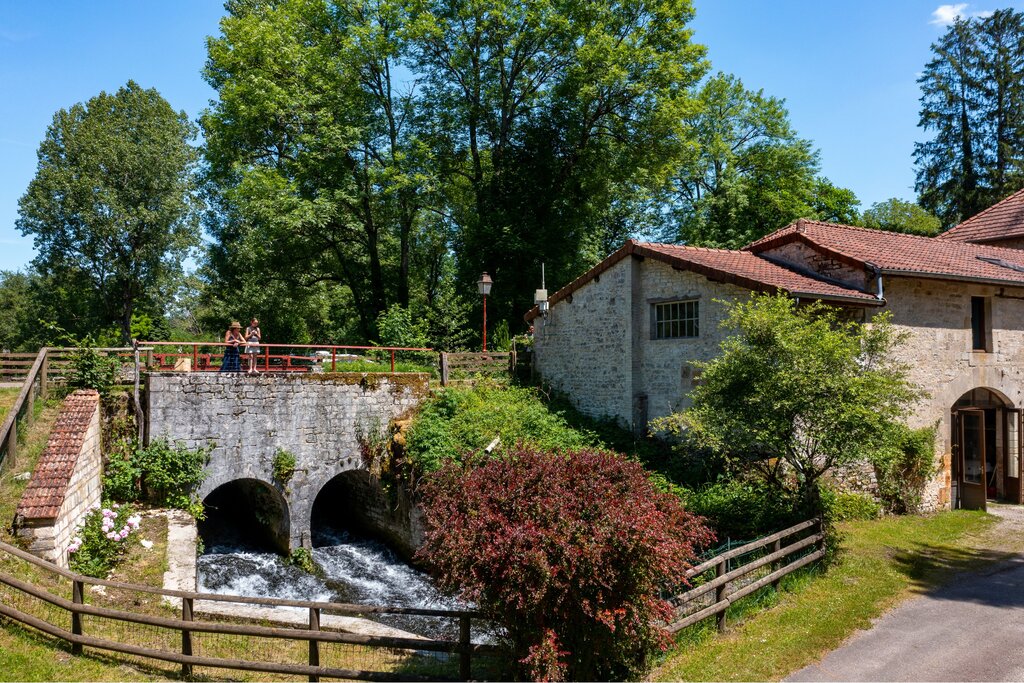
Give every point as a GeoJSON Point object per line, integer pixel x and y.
{"type": "Point", "coordinates": [676, 319]}
{"type": "Point", "coordinates": [981, 329]}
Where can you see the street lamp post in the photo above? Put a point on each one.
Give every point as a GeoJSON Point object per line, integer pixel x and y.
{"type": "Point", "coordinates": [483, 286]}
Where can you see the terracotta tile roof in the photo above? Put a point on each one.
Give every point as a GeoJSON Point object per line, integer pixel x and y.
{"type": "Point", "coordinates": [1001, 221]}
{"type": "Point", "coordinates": [44, 494]}
{"type": "Point", "coordinates": [741, 268]}
{"type": "Point", "coordinates": [899, 254]}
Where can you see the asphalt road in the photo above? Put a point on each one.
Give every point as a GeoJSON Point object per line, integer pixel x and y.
{"type": "Point", "coordinates": [969, 630]}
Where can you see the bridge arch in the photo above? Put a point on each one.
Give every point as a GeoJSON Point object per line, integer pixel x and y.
{"type": "Point", "coordinates": [247, 511]}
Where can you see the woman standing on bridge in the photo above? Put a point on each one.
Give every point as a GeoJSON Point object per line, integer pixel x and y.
{"type": "Point", "coordinates": [252, 344]}
{"type": "Point", "coordinates": [233, 337]}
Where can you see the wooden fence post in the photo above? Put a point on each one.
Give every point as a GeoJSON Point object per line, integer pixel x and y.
{"type": "Point", "coordinates": [776, 547]}
{"type": "Point", "coordinates": [44, 379]}
{"type": "Point", "coordinates": [465, 661]}
{"type": "Point", "coordinates": [12, 446]}
{"type": "Point", "coordinates": [720, 595]}
{"type": "Point", "coordinates": [186, 636]}
{"type": "Point", "coordinates": [76, 617]}
{"type": "Point", "coordinates": [444, 369]}
{"type": "Point", "coordinates": [314, 645]}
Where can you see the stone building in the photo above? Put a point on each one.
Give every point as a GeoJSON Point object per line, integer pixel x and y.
{"type": "Point", "coordinates": [621, 338]}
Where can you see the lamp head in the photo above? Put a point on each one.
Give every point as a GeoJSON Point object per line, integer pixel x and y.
{"type": "Point", "coordinates": [483, 285]}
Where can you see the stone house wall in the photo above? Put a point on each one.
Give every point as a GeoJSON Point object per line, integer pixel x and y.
{"type": "Point", "coordinates": [66, 482]}
{"type": "Point", "coordinates": [596, 347]}
{"type": "Point", "coordinates": [803, 256]}
{"type": "Point", "coordinates": [319, 418]}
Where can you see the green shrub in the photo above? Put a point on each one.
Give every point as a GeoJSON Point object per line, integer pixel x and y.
{"type": "Point", "coordinates": [397, 327]}
{"type": "Point", "coordinates": [847, 506]}
{"type": "Point", "coordinates": [461, 420]}
{"type": "Point", "coordinates": [102, 539]}
{"type": "Point", "coordinates": [162, 474]}
{"type": "Point", "coordinates": [904, 467]}
{"type": "Point", "coordinates": [284, 466]}
{"type": "Point", "coordinates": [743, 510]}
{"type": "Point", "coordinates": [303, 559]}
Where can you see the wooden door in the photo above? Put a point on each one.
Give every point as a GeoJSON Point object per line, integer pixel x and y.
{"type": "Point", "coordinates": [1012, 456]}
{"type": "Point", "coordinates": [971, 481]}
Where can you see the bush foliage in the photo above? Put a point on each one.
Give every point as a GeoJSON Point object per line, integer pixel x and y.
{"type": "Point", "coordinates": [568, 551]}
{"type": "Point", "coordinates": [163, 474]}
{"type": "Point", "coordinates": [847, 506]}
{"type": "Point", "coordinates": [743, 509]}
{"type": "Point", "coordinates": [904, 466]}
{"type": "Point", "coordinates": [461, 420]}
{"type": "Point", "coordinates": [102, 539]}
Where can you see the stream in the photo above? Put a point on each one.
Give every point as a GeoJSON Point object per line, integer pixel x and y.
{"type": "Point", "coordinates": [354, 570]}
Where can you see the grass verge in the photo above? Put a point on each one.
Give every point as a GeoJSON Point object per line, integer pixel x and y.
{"type": "Point", "coordinates": [882, 562]}
{"type": "Point", "coordinates": [7, 399]}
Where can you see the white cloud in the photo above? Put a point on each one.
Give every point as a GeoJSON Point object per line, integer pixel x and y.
{"type": "Point", "coordinates": [944, 15]}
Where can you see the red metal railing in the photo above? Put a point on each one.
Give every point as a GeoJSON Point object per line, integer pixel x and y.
{"type": "Point", "coordinates": [266, 359]}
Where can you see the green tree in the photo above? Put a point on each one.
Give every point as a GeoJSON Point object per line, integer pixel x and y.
{"type": "Point", "coordinates": [547, 121]}
{"type": "Point", "coordinates": [972, 105]}
{"type": "Point", "coordinates": [798, 390]}
{"type": "Point", "coordinates": [311, 143]}
{"type": "Point", "coordinates": [896, 215]}
{"type": "Point", "coordinates": [747, 172]}
{"type": "Point", "coordinates": [17, 303]}
{"type": "Point", "coordinates": [112, 207]}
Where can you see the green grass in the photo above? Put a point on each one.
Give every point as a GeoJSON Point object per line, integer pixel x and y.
{"type": "Point", "coordinates": [881, 562]}
{"type": "Point", "coordinates": [7, 399]}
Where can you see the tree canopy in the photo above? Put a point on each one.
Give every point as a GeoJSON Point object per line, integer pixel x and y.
{"type": "Point", "coordinates": [972, 106]}
{"type": "Point", "coordinates": [896, 215]}
{"type": "Point", "coordinates": [112, 207]}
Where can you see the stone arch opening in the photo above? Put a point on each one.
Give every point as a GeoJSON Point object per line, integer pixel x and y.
{"type": "Point", "coordinates": [246, 513]}
{"type": "Point", "coordinates": [986, 453]}
{"type": "Point", "coordinates": [355, 502]}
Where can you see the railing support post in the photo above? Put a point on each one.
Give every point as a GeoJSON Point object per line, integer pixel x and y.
{"type": "Point", "coordinates": [444, 369]}
{"type": "Point", "coordinates": [776, 547]}
{"type": "Point", "coordinates": [76, 617]}
{"type": "Point", "coordinates": [314, 645]}
{"type": "Point", "coordinates": [44, 384]}
{"type": "Point", "coordinates": [392, 360]}
{"type": "Point", "coordinates": [12, 446]}
{"type": "Point", "coordinates": [195, 357]}
{"type": "Point", "coordinates": [465, 661]}
{"type": "Point", "coordinates": [334, 359]}
{"type": "Point", "coordinates": [720, 595]}
{"type": "Point", "coordinates": [186, 636]}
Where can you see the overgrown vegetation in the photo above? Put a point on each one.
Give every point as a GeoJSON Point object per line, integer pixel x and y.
{"type": "Point", "coordinates": [904, 466]}
{"type": "Point", "coordinates": [568, 551]}
{"type": "Point", "coordinates": [102, 539]}
{"type": "Point", "coordinates": [161, 474]}
{"type": "Point", "coordinates": [283, 466]}
{"type": "Point", "coordinates": [459, 421]}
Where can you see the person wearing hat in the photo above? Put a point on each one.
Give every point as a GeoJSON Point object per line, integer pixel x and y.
{"type": "Point", "coordinates": [233, 337]}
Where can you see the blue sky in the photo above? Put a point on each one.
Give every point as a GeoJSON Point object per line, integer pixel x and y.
{"type": "Point", "coordinates": [846, 70]}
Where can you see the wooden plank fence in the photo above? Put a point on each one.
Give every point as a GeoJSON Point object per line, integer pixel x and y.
{"type": "Point", "coordinates": [190, 641]}
{"type": "Point", "coordinates": [766, 563]}
{"type": "Point", "coordinates": [35, 384]}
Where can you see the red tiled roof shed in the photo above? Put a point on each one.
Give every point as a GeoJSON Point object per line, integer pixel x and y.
{"type": "Point", "coordinates": [1001, 221]}
{"type": "Point", "coordinates": [45, 492]}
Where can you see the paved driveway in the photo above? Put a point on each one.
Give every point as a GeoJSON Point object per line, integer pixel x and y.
{"type": "Point", "coordinates": [969, 630]}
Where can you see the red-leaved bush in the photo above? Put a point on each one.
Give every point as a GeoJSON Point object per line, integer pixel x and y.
{"type": "Point", "coordinates": [568, 551]}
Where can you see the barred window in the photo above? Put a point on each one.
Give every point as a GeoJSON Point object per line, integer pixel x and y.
{"type": "Point", "coordinates": [676, 319]}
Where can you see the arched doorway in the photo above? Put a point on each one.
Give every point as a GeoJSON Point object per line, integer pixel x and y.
{"type": "Point", "coordinates": [986, 449]}
{"type": "Point", "coordinates": [246, 513]}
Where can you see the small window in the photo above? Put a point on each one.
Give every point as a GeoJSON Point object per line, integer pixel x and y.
{"type": "Point", "coordinates": [981, 329]}
{"type": "Point", "coordinates": [676, 319]}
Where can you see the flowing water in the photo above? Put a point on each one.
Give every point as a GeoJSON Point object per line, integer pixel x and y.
{"type": "Point", "coordinates": [355, 570]}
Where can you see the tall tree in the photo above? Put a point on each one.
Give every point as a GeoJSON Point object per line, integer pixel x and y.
{"type": "Point", "coordinates": [972, 105]}
{"type": "Point", "coordinates": [747, 172]}
{"type": "Point", "coordinates": [112, 206]}
{"type": "Point", "coordinates": [546, 118]}
{"type": "Point", "coordinates": [311, 142]}
{"type": "Point", "coordinates": [896, 215]}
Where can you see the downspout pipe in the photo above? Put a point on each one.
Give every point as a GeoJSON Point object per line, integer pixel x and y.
{"type": "Point", "coordinates": [879, 289]}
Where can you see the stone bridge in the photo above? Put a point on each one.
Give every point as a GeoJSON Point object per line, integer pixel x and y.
{"type": "Point", "coordinates": [323, 420]}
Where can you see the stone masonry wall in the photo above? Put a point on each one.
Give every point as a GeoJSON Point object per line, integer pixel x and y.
{"type": "Point", "coordinates": [67, 480]}
{"type": "Point", "coordinates": [803, 256]}
{"type": "Point", "coordinates": [597, 348]}
{"type": "Point", "coordinates": [937, 317]}
{"type": "Point", "coordinates": [318, 418]}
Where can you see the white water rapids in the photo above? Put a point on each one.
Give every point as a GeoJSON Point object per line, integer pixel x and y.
{"type": "Point", "coordinates": [354, 570]}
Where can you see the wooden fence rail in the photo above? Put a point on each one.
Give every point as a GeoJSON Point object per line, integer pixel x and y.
{"type": "Point", "coordinates": [35, 384]}
{"type": "Point", "coordinates": [729, 586]}
{"type": "Point", "coordinates": [181, 636]}
{"type": "Point", "coordinates": [463, 364]}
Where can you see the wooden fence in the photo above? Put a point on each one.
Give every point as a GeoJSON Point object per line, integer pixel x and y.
{"type": "Point", "coordinates": [758, 564]}
{"type": "Point", "coordinates": [34, 384]}
{"type": "Point", "coordinates": [455, 366]}
{"type": "Point", "coordinates": [61, 610]}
